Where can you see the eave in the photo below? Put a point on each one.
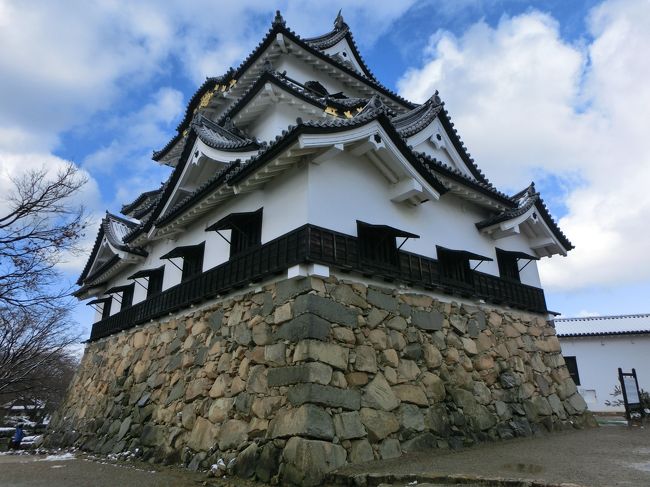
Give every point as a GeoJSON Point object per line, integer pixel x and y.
{"type": "Point", "coordinates": [278, 40]}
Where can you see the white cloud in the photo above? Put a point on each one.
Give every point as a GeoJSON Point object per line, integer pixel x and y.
{"type": "Point", "coordinates": [527, 102]}
{"type": "Point", "coordinates": [67, 65]}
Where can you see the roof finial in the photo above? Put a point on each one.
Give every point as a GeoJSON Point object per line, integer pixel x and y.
{"type": "Point", "coordinates": [278, 20]}
{"type": "Point", "coordinates": [339, 23]}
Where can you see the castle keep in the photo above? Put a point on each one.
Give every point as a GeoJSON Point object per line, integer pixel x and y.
{"type": "Point", "coordinates": [325, 278]}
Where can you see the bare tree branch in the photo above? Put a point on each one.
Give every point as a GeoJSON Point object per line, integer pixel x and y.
{"type": "Point", "coordinates": [41, 224]}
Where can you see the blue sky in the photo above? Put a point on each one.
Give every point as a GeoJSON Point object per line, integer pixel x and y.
{"type": "Point", "coordinates": [551, 91]}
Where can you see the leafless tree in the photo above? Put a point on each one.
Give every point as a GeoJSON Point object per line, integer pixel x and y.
{"type": "Point", "coordinates": [40, 223]}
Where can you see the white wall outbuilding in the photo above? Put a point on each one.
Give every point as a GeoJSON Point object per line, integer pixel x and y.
{"type": "Point", "coordinates": [600, 345]}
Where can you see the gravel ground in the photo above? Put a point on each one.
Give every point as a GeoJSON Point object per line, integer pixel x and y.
{"type": "Point", "coordinates": [612, 455]}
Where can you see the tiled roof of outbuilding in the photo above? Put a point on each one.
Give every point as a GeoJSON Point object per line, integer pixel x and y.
{"type": "Point", "coordinates": [603, 325]}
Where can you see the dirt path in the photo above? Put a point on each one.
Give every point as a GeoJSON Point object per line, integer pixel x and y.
{"type": "Point", "coordinates": [86, 471]}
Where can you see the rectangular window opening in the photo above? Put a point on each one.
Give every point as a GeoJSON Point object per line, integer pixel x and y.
{"type": "Point", "coordinates": [127, 297]}
{"type": "Point", "coordinates": [192, 264]}
{"type": "Point", "coordinates": [508, 266]}
{"type": "Point", "coordinates": [454, 266]}
{"type": "Point", "coordinates": [245, 230]}
{"type": "Point", "coordinates": [572, 366]}
{"type": "Point", "coordinates": [106, 308]}
{"type": "Point", "coordinates": [155, 283]}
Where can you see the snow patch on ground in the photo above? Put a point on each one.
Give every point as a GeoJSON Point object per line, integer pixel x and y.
{"type": "Point", "coordinates": [57, 458]}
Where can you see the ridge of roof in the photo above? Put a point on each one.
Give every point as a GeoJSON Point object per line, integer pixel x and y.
{"type": "Point", "coordinates": [340, 31]}
{"type": "Point", "coordinates": [219, 137]}
{"type": "Point", "coordinates": [142, 197]}
{"type": "Point", "coordinates": [295, 88]}
{"type": "Point", "coordinates": [525, 200]}
{"type": "Point", "coordinates": [484, 187]}
{"type": "Point", "coordinates": [278, 26]}
{"type": "Point", "coordinates": [600, 318]}
{"type": "Point", "coordinates": [415, 120]}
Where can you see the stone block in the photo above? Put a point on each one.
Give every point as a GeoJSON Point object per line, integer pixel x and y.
{"type": "Point", "coordinates": [309, 372]}
{"type": "Point", "coordinates": [577, 403]}
{"type": "Point", "coordinates": [365, 360]}
{"type": "Point", "coordinates": [327, 309]}
{"type": "Point", "coordinates": [342, 334]}
{"type": "Point", "coordinates": [469, 346]}
{"type": "Point", "coordinates": [268, 462]}
{"type": "Point", "coordinates": [325, 396]}
{"type": "Point", "coordinates": [379, 395]}
{"type": "Point", "coordinates": [152, 435]}
{"type": "Point", "coordinates": [233, 434]}
{"type": "Point", "coordinates": [427, 320]}
{"type": "Point", "coordinates": [176, 393]}
{"type": "Point", "coordinates": [434, 387]}
{"type": "Point", "coordinates": [344, 293]}
{"type": "Point", "coordinates": [220, 386]}
{"type": "Point", "coordinates": [379, 424]}
{"type": "Point", "coordinates": [389, 357]}
{"type": "Point", "coordinates": [421, 442]}
{"type": "Point", "coordinates": [458, 323]}
{"type": "Point", "coordinates": [411, 394]}
{"type": "Point", "coordinates": [203, 436]}
{"type": "Point", "coordinates": [329, 353]}
{"type": "Point", "coordinates": [275, 354]}
{"type": "Point", "coordinates": [414, 351]}
{"type": "Point", "coordinates": [432, 356]}
{"type": "Point", "coordinates": [282, 313]}
{"type": "Point", "coordinates": [397, 323]}
{"type": "Point", "coordinates": [307, 325]}
{"type": "Point", "coordinates": [290, 288]}
{"type": "Point", "coordinates": [307, 420]}
{"type": "Point", "coordinates": [242, 334]}
{"type": "Point", "coordinates": [246, 461]}
{"type": "Point", "coordinates": [220, 409]}
{"type": "Point", "coordinates": [348, 426]}
{"type": "Point", "coordinates": [408, 370]}
{"type": "Point", "coordinates": [197, 388]}
{"type": "Point", "coordinates": [262, 334]}
{"type": "Point", "coordinates": [215, 321]}
{"type": "Point", "coordinates": [390, 448]}
{"type": "Point", "coordinates": [360, 452]}
{"type": "Point", "coordinates": [308, 461]}
{"type": "Point", "coordinates": [375, 317]}
{"type": "Point", "coordinates": [378, 339]}
{"type": "Point", "coordinates": [264, 407]}
{"type": "Point", "coordinates": [356, 379]}
{"type": "Point", "coordinates": [382, 300]}
{"type": "Point", "coordinates": [410, 417]}
{"type": "Point", "coordinates": [396, 339]}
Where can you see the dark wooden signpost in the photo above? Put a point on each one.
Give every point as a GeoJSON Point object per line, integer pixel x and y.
{"type": "Point", "coordinates": [631, 395]}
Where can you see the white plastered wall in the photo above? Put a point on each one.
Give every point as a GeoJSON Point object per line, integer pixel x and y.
{"type": "Point", "coordinates": [598, 360]}
{"type": "Point", "coordinates": [362, 193]}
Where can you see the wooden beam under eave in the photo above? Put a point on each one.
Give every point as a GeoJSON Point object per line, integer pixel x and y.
{"type": "Point", "coordinates": [328, 154]}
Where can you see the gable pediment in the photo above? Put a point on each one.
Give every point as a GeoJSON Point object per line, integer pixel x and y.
{"type": "Point", "coordinates": [436, 142]}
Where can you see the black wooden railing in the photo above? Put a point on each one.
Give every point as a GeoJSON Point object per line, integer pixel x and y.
{"type": "Point", "coordinates": [312, 244]}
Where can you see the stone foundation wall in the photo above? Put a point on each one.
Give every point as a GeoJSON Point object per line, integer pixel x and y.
{"type": "Point", "coordinates": [303, 376]}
